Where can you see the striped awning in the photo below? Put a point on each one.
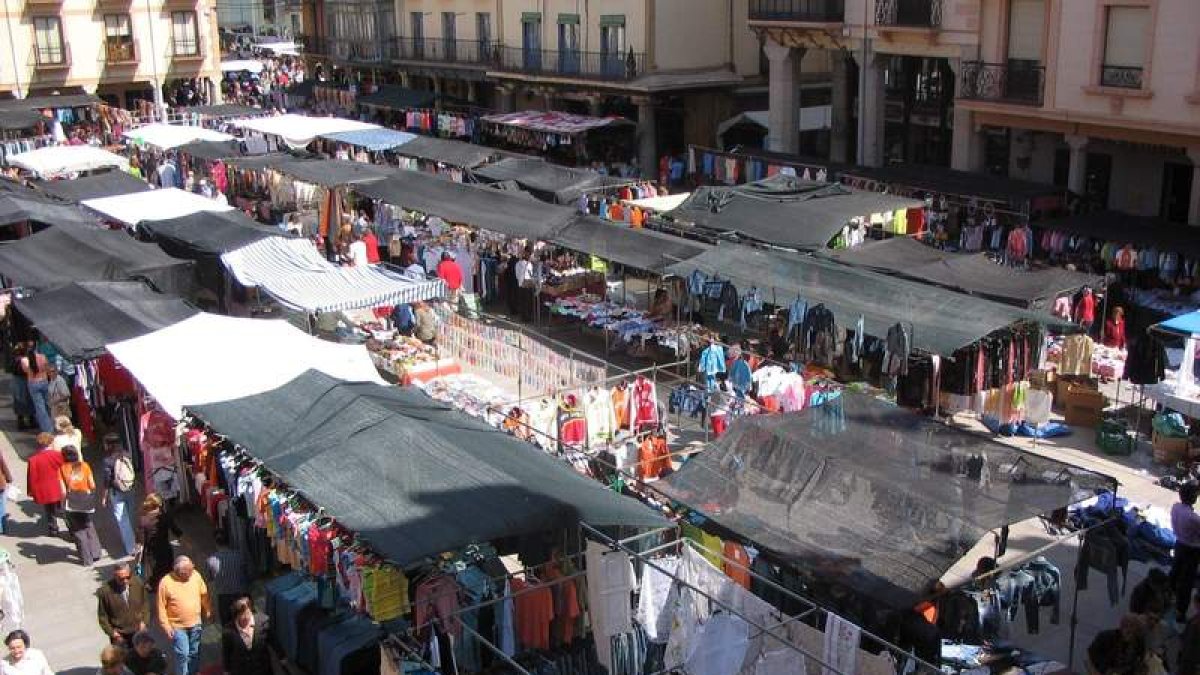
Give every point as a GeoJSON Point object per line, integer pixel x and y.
{"type": "Point", "coordinates": [294, 273]}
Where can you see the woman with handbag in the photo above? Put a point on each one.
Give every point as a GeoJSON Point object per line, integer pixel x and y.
{"type": "Point", "coordinates": [80, 504]}
{"type": "Point", "coordinates": [155, 527]}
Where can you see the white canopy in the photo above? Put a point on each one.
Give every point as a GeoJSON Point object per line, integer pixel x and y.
{"type": "Point", "coordinates": [295, 274]}
{"type": "Point", "coordinates": [300, 130]}
{"type": "Point", "coordinates": [161, 204]}
{"type": "Point", "coordinates": [167, 136]}
{"type": "Point", "coordinates": [238, 65]}
{"type": "Point", "coordinates": [285, 47]}
{"type": "Point", "coordinates": [210, 358]}
{"type": "Point", "coordinates": [58, 160]}
{"type": "Point", "coordinates": [664, 203]}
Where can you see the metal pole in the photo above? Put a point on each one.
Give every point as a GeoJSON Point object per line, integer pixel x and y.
{"type": "Point", "coordinates": [487, 643]}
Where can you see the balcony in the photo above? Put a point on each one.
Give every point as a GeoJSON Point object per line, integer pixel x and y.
{"type": "Point", "coordinates": [185, 50]}
{"type": "Point", "coordinates": [51, 57]}
{"type": "Point", "coordinates": [800, 11]}
{"type": "Point", "coordinates": [120, 53]}
{"type": "Point", "coordinates": [1017, 82]}
{"type": "Point", "coordinates": [443, 51]}
{"type": "Point", "coordinates": [354, 51]}
{"type": "Point", "coordinates": [572, 64]}
{"type": "Point", "coordinates": [1121, 77]}
{"type": "Point", "coordinates": [908, 13]}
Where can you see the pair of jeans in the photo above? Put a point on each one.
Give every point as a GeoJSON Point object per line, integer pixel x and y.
{"type": "Point", "coordinates": [39, 395]}
{"type": "Point", "coordinates": [123, 505]}
{"type": "Point", "coordinates": [51, 512]}
{"type": "Point", "coordinates": [87, 543]}
{"type": "Point", "coordinates": [186, 643]}
{"type": "Point", "coordinates": [1183, 576]}
{"type": "Point", "coordinates": [3, 511]}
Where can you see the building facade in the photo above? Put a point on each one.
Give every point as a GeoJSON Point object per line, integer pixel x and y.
{"type": "Point", "coordinates": [1102, 97]}
{"type": "Point", "coordinates": [120, 50]}
{"type": "Point", "coordinates": [676, 67]}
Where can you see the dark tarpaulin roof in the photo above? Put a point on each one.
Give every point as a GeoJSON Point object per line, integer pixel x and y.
{"type": "Point", "coordinates": [398, 98]}
{"type": "Point", "coordinates": [212, 150]}
{"type": "Point", "coordinates": [549, 182]}
{"type": "Point", "coordinates": [410, 475]}
{"type": "Point", "coordinates": [642, 249]}
{"type": "Point", "coordinates": [940, 321]}
{"type": "Point", "coordinates": [81, 318]}
{"type": "Point", "coordinates": [206, 233]}
{"type": "Point", "coordinates": [15, 120]}
{"type": "Point", "coordinates": [939, 180]}
{"type": "Point", "coordinates": [267, 161]}
{"type": "Point", "coordinates": [222, 110]}
{"type": "Point", "coordinates": [868, 494]}
{"type": "Point", "coordinates": [107, 184]}
{"type": "Point", "coordinates": [495, 210]}
{"type": "Point", "coordinates": [454, 153]}
{"type": "Point", "coordinates": [62, 255]}
{"type": "Point", "coordinates": [323, 172]}
{"type": "Point", "coordinates": [19, 203]}
{"type": "Point", "coordinates": [1127, 229]}
{"type": "Point", "coordinates": [972, 273]}
{"type": "Point", "coordinates": [42, 102]}
{"type": "Point", "coordinates": [784, 210]}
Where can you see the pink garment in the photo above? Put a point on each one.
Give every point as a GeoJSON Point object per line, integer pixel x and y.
{"type": "Point", "coordinates": [793, 396]}
{"type": "Point", "coordinates": [220, 179]}
{"type": "Point", "coordinates": [437, 598]}
{"type": "Point", "coordinates": [643, 405]}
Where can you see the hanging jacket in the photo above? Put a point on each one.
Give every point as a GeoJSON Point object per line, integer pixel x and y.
{"type": "Point", "coordinates": [1105, 549]}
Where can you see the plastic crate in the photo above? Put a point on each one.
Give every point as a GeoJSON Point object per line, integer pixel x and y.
{"type": "Point", "coordinates": [1113, 438]}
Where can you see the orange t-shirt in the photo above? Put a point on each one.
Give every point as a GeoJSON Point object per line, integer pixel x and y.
{"type": "Point", "coordinates": [740, 574]}
{"type": "Point", "coordinates": [620, 399]}
{"type": "Point", "coordinates": [534, 612]}
{"type": "Point", "coordinates": [636, 218]}
{"type": "Point", "coordinates": [77, 477]}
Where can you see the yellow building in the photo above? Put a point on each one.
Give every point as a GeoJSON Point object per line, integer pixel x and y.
{"type": "Point", "coordinates": [116, 49]}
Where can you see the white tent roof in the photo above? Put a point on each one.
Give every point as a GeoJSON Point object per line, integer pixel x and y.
{"type": "Point", "coordinates": [664, 203]}
{"type": "Point", "coordinates": [295, 274]}
{"type": "Point", "coordinates": [57, 160]}
{"type": "Point", "coordinates": [161, 204]}
{"type": "Point", "coordinates": [241, 64]}
{"type": "Point", "coordinates": [300, 130]}
{"type": "Point", "coordinates": [210, 358]}
{"type": "Point", "coordinates": [167, 136]}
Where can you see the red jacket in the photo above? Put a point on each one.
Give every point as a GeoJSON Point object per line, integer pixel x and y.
{"type": "Point", "coordinates": [45, 484]}
{"type": "Point", "coordinates": [451, 273]}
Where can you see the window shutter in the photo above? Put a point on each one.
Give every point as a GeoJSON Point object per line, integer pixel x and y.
{"type": "Point", "coordinates": [1026, 28]}
{"type": "Point", "coordinates": [1125, 40]}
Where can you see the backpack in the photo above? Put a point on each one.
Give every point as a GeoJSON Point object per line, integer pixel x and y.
{"type": "Point", "coordinates": [123, 474]}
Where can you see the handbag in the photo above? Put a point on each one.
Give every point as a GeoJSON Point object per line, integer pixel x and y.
{"type": "Point", "coordinates": [80, 501]}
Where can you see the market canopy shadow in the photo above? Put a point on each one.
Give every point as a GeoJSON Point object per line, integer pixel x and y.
{"type": "Point", "coordinates": [412, 476]}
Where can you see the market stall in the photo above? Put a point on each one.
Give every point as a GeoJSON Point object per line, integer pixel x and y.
{"type": "Point", "coordinates": [577, 139]}
{"type": "Point", "coordinates": [62, 160]}
{"type": "Point", "coordinates": [297, 131]}
{"type": "Point", "coordinates": [169, 136]}
{"type": "Point", "coordinates": [109, 183]}
{"type": "Point", "coordinates": [444, 156]}
{"type": "Point", "coordinates": [24, 210]}
{"type": "Point", "coordinates": [546, 181]}
{"type": "Point", "coordinates": [1179, 389]}
{"type": "Point", "coordinates": [163, 204]}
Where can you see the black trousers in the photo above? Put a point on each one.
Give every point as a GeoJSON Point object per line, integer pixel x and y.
{"type": "Point", "coordinates": [1183, 576]}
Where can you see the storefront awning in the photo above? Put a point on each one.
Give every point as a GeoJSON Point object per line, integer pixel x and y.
{"type": "Point", "coordinates": [548, 182]}
{"type": "Point", "coordinates": [299, 130]}
{"type": "Point", "coordinates": [452, 153]}
{"type": "Point", "coordinates": [870, 495]}
{"type": "Point", "coordinates": [105, 184]}
{"type": "Point", "coordinates": [784, 210]}
{"type": "Point", "coordinates": [168, 136]}
{"type": "Point", "coordinates": [641, 249]}
{"type": "Point", "coordinates": [295, 274]}
{"type": "Point", "coordinates": [61, 255]}
{"type": "Point", "coordinates": [411, 476]}
{"type": "Point", "coordinates": [939, 321]}
{"type": "Point", "coordinates": [210, 358]}
{"type": "Point", "coordinates": [398, 98]}
{"type": "Point", "coordinates": [206, 234]}
{"type": "Point", "coordinates": [80, 318]}
{"type": "Point", "coordinates": [973, 273]}
{"type": "Point", "coordinates": [17, 120]}
{"type": "Point", "coordinates": [130, 209]}
{"type": "Point", "coordinates": [51, 101]}
{"type": "Point", "coordinates": [495, 210]}
{"type": "Point", "coordinates": [58, 160]}
{"type": "Point", "coordinates": [373, 140]}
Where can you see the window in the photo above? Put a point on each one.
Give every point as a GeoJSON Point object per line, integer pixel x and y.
{"type": "Point", "coordinates": [1026, 28]}
{"type": "Point", "coordinates": [1125, 39]}
{"type": "Point", "coordinates": [531, 40]}
{"type": "Point", "coordinates": [612, 43]}
{"type": "Point", "coordinates": [449, 35]}
{"type": "Point", "coordinates": [417, 26]}
{"type": "Point", "coordinates": [568, 43]}
{"type": "Point", "coordinates": [483, 30]}
{"type": "Point", "coordinates": [118, 38]}
{"type": "Point", "coordinates": [185, 37]}
{"type": "Point", "coordinates": [48, 41]}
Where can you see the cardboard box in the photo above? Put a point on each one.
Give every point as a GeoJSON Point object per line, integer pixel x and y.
{"type": "Point", "coordinates": [1045, 380]}
{"type": "Point", "coordinates": [1169, 450]}
{"type": "Point", "coordinates": [1063, 384]}
{"type": "Point", "coordinates": [1084, 406]}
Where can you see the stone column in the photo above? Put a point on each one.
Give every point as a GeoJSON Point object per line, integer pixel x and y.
{"type": "Point", "coordinates": [839, 132]}
{"type": "Point", "coordinates": [595, 104]}
{"type": "Point", "coordinates": [505, 98]}
{"type": "Point", "coordinates": [966, 152]}
{"type": "Point", "coordinates": [1193, 154]}
{"type": "Point", "coordinates": [871, 116]}
{"type": "Point", "coordinates": [1077, 175]}
{"type": "Point", "coordinates": [647, 137]}
{"type": "Point", "coordinates": [472, 93]}
{"type": "Point", "coordinates": [784, 115]}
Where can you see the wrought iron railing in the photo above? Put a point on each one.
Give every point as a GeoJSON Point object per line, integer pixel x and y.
{"type": "Point", "coordinates": [570, 63]}
{"type": "Point", "coordinates": [357, 51]}
{"type": "Point", "coordinates": [1123, 77]}
{"type": "Point", "coordinates": [120, 52]}
{"type": "Point", "coordinates": [444, 51]}
{"type": "Point", "coordinates": [908, 13]}
{"type": "Point", "coordinates": [815, 11]}
{"type": "Point", "coordinates": [51, 56]}
{"type": "Point", "coordinates": [185, 48]}
{"type": "Point", "coordinates": [1020, 82]}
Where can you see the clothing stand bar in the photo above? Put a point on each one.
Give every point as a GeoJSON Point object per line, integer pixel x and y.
{"type": "Point", "coordinates": [488, 643]}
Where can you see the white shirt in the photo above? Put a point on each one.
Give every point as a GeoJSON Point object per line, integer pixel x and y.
{"type": "Point", "coordinates": [524, 271]}
{"type": "Point", "coordinates": [220, 198]}
{"type": "Point", "coordinates": [34, 663]}
{"type": "Point", "coordinates": [358, 254]}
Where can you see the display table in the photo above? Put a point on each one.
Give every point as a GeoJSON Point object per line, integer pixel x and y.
{"type": "Point", "coordinates": [1164, 393]}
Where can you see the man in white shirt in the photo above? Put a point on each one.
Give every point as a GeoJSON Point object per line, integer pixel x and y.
{"type": "Point", "coordinates": [358, 251]}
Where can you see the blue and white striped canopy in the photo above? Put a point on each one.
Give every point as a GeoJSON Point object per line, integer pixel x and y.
{"type": "Point", "coordinates": [373, 140]}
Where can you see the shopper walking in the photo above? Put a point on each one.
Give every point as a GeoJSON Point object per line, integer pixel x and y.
{"type": "Point", "coordinates": [145, 658]}
{"type": "Point", "coordinates": [1186, 524]}
{"type": "Point", "coordinates": [117, 491]}
{"type": "Point", "coordinates": [66, 434]}
{"type": "Point", "coordinates": [6, 483]}
{"type": "Point", "coordinates": [19, 388]}
{"type": "Point", "coordinates": [59, 393]}
{"type": "Point", "coordinates": [244, 643]}
{"type": "Point", "coordinates": [183, 606]}
{"type": "Point", "coordinates": [44, 482]}
{"type": "Point", "coordinates": [122, 607]}
{"type": "Point", "coordinates": [22, 658]}
{"type": "Point", "coordinates": [79, 504]}
{"type": "Point", "coordinates": [449, 271]}
{"type": "Point", "coordinates": [227, 577]}
{"type": "Point", "coordinates": [35, 366]}
{"type": "Point", "coordinates": [112, 662]}
{"type": "Point", "coordinates": [156, 526]}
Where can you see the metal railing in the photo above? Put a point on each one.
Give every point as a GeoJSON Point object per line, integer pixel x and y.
{"type": "Point", "coordinates": [588, 65]}
{"type": "Point", "coordinates": [357, 51]}
{"type": "Point", "coordinates": [120, 53]}
{"type": "Point", "coordinates": [1123, 77]}
{"type": "Point", "coordinates": [816, 11]}
{"type": "Point", "coordinates": [57, 56]}
{"type": "Point", "coordinates": [908, 13]}
{"type": "Point", "coordinates": [1020, 82]}
{"type": "Point", "coordinates": [190, 48]}
{"type": "Point", "coordinates": [443, 51]}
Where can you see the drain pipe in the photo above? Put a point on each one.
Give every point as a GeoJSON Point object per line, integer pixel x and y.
{"type": "Point", "coordinates": [12, 49]}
